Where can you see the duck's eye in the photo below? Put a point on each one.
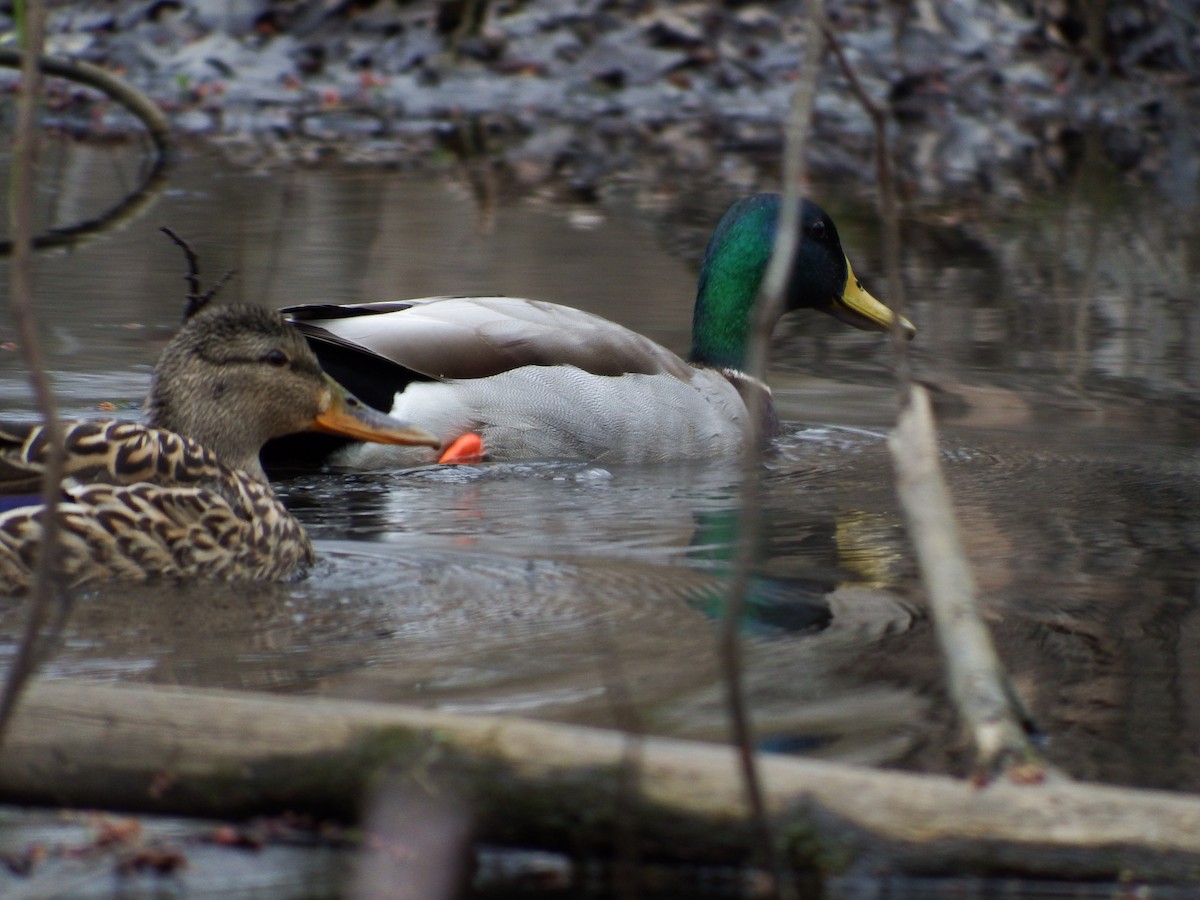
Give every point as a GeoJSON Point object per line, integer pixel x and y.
{"type": "Point", "coordinates": [275, 358]}
{"type": "Point", "coordinates": [817, 230]}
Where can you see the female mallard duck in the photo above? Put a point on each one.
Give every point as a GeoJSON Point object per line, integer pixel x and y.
{"type": "Point", "coordinates": [185, 496]}
{"type": "Point", "coordinates": [534, 379]}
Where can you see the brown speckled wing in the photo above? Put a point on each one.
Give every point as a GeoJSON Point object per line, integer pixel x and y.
{"type": "Point", "coordinates": [142, 503]}
{"type": "Point", "coordinates": [105, 451]}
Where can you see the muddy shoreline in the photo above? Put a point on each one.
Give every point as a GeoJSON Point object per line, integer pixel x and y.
{"type": "Point", "coordinates": [986, 101]}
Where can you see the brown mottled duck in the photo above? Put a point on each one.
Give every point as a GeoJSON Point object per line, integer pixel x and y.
{"type": "Point", "coordinates": [183, 495]}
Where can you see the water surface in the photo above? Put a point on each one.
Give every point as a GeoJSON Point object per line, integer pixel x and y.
{"type": "Point", "coordinates": [1058, 340]}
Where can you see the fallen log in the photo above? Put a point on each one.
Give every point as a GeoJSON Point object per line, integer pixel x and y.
{"type": "Point", "coordinates": [229, 754]}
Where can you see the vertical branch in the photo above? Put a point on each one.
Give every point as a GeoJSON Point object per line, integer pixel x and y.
{"type": "Point", "coordinates": [625, 876]}
{"type": "Point", "coordinates": [979, 686]}
{"type": "Point", "coordinates": [766, 313]}
{"type": "Point", "coordinates": [21, 209]}
{"type": "Point", "coordinates": [888, 208]}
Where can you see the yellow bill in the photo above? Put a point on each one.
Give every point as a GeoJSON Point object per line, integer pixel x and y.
{"type": "Point", "coordinates": [858, 308]}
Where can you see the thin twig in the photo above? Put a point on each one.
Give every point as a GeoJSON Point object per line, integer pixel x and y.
{"type": "Point", "coordinates": [628, 780]}
{"type": "Point", "coordinates": [193, 271]}
{"type": "Point", "coordinates": [21, 205]}
{"type": "Point", "coordinates": [767, 312]}
{"type": "Point", "coordinates": [120, 90]}
{"type": "Point", "coordinates": [980, 687]}
{"type": "Point", "coordinates": [196, 301]}
{"type": "Point", "coordinates": [889, 209]}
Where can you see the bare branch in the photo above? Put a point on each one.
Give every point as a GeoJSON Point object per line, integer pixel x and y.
{"type": "Point", "coordinates": [982, 693]}
{"type": "Point", "coordinates": [196, 301]}
{"type": "Point", "coordinates": [21, 211]}
{"type": "Point", "coordinates": [767, 312]}
{"type": "Point", "coordinates": [116, 88]}
{"type": "Point", "coordinates": [888, 208]}
{"type": "Point", "coordinates": [193, 271]}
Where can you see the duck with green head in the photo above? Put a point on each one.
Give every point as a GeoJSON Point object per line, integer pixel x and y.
{"type": "Point", "coordinates": [505, 378]}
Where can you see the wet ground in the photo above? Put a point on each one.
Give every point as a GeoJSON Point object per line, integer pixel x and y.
{"type": "Point", "coordinates": [984, 99]}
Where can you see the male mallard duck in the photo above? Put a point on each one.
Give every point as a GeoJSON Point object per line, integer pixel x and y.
{"type": "Point", "coordinates": [185, 496]}
{"type": "Point", "coordinates": [534, 379]}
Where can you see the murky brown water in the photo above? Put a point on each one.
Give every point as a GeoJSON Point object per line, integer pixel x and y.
{"type": "Point", "coordinates": [1061, 346]}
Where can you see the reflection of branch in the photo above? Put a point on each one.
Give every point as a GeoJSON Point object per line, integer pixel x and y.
{"type": "Point", "coordinates": [140, 106]}
{"type": "Point", "coordinates": [130, 208]}
{"type": "Point", "coordinates": [21, 280]}
{"type": "Point", "coordinates": [766, 313]}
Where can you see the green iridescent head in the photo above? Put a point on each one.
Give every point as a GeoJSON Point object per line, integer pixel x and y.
{"type": "Point", "coordinates": [733, 269]}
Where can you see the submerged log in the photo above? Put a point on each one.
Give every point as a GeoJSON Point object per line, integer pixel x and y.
{"type": "Point", "coordinates": [231, 754]}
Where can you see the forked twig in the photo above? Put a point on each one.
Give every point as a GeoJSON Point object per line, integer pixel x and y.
{"type": "Point", "coordinates": [196, 300]}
